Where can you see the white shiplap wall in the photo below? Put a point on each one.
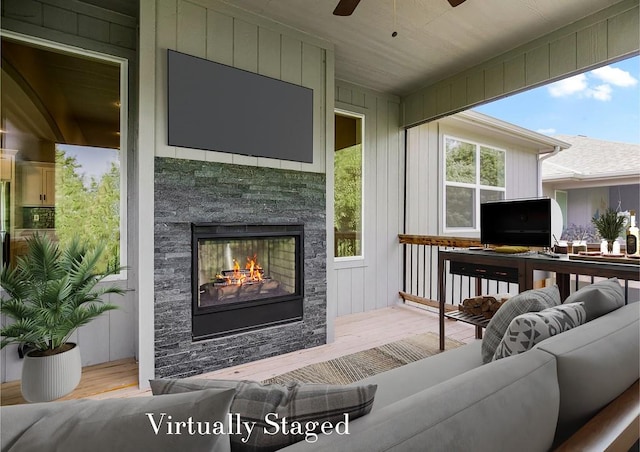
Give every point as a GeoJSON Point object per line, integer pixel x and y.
{"type": "Point", "coordinates": [218, 32]}
{"type": "Point", "coordinates": [374, 281]}
{"type": "Point", "coordinates": [425, 171]}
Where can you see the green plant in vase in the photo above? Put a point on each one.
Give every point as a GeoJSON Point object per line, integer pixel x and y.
{"type": "Point", "coordinates": [52, 291]}
{"type": "Point", "coordinates": [609, 225]}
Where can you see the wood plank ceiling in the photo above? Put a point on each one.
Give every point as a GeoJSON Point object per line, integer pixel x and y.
{"type": "Point", "coordinates": [434, 40]}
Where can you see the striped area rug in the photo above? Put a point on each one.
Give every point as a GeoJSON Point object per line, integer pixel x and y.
{"type": "Point", "coordinates": [356, 366]}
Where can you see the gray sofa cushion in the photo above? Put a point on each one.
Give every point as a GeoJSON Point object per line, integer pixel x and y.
{"type": "Point", "coordinates": [596, 362]}
{"type": "Point", "coordinates": [599, 298]}
{"type": "Point", "coordinates": [404, 381]}
{"type": "Point", "coordinates": [531, 328]}
{"type": "Point", "coordinates": [115, 424]}
{"type": "Point", "coordinates": [510, 404]}
{"type": "Point", "coordinates": [298, 403]}
{"type": "Point", "coordinates": [528, 301]}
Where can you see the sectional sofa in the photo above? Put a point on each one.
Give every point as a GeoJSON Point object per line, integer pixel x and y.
{"type": "Point", "coordinates": [532, 401]}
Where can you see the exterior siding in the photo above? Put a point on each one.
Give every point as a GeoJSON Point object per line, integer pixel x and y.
{"type": "Point", "coordinates": [608, 35]}
{"type": "Point", "coordinates": [425, 172]}
{"type": "Point", "coordinates": [373, 282]}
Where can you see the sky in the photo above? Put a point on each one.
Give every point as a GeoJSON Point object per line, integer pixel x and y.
{"type": "Point", "coordinates": [94, 161]}
{"type": "Point", "coordinates": [603, 103]}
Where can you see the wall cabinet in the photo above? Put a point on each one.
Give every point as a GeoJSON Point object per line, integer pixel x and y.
{"type": "Point", "coordinates": [7, 159]}
{"type": "Point", "coordinates": [38, 183]}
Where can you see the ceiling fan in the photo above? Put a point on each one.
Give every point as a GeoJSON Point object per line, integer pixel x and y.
{"type": "Point", "coordinates": [347, 7]}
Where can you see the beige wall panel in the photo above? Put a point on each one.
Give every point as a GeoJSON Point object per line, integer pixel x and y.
{"type": "Point", "coordinates": [459, 93]}
{"type": "Point", "coordinates": [381, 189]}
{"type": "Point", "coordinates": [562, 56]}
{"type": "Point", "coordinates": [443, 97]}
{"type": "Point", "coordinates": [412, 107]}
{"type": "Point", "coordinates": [313, 77]}
{"type": "Point", "coordinates": [192, 29]}
{"type": "Point", "coordinates": [394, 201]}
{"type": "Point", "coordinates": [167, 20]}
{"type": "Point", "coordinates": [475, 87]}
{"type": "Point", "coordinates": [219, 37]}
{"type": "Point", "coordinates": [343, 281]}
{"type": "Point", "coordinates": [537, 65]}
{"type": "Point", "coordinates": [291, 60]}
{"type": "Point", "coordinates": [514, 74]}
{"type": "Point", "coordinates": [245, 45]}
{"type": "Point", "coordinates": [343, 94]}
{"type": "Point", "coordinates": [358, 98]}
{"type": "Point", "coordinates": [618, 30]}
{"type": "Point", "coordinates": [494, 81]}
{"type": "Point", "coordinates": [269, 53]}
{"type": "Point", "coordinates": [592, 45]}
{"type": "Point", "coordinates": [429, 106]}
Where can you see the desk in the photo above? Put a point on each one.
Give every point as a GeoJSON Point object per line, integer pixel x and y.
{"type": "Point", "coordinates": [519, 269]}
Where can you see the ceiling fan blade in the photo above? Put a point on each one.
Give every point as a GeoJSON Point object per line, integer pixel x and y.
{"type": "Point", "coordinates": [455, 3]}
{"type": "Point", "coordinates": [345, 7]}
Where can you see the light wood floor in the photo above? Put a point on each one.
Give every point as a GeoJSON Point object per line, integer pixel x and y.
{"type": "Point", "coordinates": [354, 333]}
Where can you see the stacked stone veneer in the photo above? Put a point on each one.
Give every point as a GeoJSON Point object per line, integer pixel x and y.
{"type": "Point", "coordinates": [188, 192]}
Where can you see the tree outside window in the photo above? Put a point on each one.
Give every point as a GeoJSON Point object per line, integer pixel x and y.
{"type": "Point", "coordinates": [348, 186]}
{"type": "Point", "coordinates": [474, 174]}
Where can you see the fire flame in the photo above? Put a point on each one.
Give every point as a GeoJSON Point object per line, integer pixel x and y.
{"type": "Point", "coordinates": [237, 276]}
{"type": "Point", "coordinates": [240, 277]}
{"type": "Point", "coordinates": [254, 268]}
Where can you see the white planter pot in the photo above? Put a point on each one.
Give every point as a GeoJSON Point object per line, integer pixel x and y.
{"type": "Point", "coordinates": [48, 378]}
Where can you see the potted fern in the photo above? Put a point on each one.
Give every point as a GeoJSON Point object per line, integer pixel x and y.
{"type": "Point", "coordinates": [52, 291]}
{"type": "Point", "coordinates": [609, 225]}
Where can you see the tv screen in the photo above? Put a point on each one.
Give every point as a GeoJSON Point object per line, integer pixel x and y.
{"type": "Point", "coordinates": [220, 108]}
{"type": "Point", "coordinates": [517, 222]}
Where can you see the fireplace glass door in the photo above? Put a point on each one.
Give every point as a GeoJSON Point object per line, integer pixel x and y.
{"type": "Point", "coordinates": [241, 270]}
{"type": "Point", "coordinates": [245, 277]}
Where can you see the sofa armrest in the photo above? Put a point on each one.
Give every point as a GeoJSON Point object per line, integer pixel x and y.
{"type": "Point", "coordinates": [615, 428]}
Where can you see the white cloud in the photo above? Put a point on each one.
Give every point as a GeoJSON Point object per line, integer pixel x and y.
{"type": "Point", "coordinates": [569, 86]}
{"type": "Point", "coordinates": [550, 131]}
{"type": "Point", "coordinates": [615, 76]}
{"type": "Point", "coordinates": [600, 92]}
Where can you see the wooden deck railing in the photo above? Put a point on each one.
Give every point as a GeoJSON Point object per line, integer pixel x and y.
{"type": "Point", "coordinates": [420, 268]}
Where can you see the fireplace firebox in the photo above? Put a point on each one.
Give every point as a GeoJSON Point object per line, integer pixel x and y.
{"type": "Point", "coordinates": [245, 277]}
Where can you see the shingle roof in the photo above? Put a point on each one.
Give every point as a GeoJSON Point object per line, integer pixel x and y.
{"type": "Point", "coordinates": [589, 157]}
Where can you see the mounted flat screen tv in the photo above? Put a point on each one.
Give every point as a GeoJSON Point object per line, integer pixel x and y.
{"type": "Point", "coordinates": [220, 108]}
{"type": "Point", "coordinates": [526, 222]}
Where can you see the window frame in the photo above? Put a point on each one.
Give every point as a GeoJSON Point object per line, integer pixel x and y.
{"type": "Point", "coordinates": [123, 64]}
{"type": "Point", "coordinates": [477, 186]}
{"type": "Point", "coordinates": [350, 261]}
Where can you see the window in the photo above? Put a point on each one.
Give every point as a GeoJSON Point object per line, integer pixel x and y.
{"type": "Point", "coordinates": [64, 135]}
{"type": "Point", "coordinates": [474, 174]}
{"type": "Point", "coordinates": [348, 185]}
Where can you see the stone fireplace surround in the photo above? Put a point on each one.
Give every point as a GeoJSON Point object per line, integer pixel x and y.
{"type": "Point", "coordinates": [188, 191]}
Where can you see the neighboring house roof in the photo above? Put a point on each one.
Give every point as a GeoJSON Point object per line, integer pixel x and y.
{"type": "Point", "coordinates": [594, 162]}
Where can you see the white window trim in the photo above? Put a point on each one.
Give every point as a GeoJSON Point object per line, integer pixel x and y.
{"type": "Point", "coordinates": [355, 261]}
{"type": "Point", "coordinates": [477, 187]}
{"type": "Point", "coordinates": [124, 107]}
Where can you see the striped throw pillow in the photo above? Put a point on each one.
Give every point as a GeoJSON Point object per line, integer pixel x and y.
{"type": "Point", "coordinates": [258, 403]}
